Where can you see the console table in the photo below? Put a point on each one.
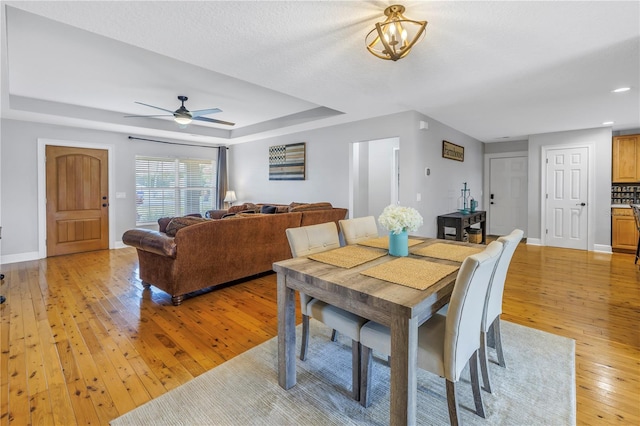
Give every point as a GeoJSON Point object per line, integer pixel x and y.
{"type": "Point", "coordinates": [461, 221]}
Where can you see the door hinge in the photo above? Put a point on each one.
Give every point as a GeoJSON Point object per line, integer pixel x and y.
{"type": "Point", "coordinates": [546, 196]}
{"type": "Point", "coordinates": [546, 231]}
{"type": "Point", "coordinates": [546, 160]}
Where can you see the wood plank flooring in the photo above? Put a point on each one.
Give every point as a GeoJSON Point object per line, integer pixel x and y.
{"type": "Point", "coordinates": [82, 342]}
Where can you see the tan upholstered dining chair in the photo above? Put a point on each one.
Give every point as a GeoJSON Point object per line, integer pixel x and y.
{"type": "Point", "coordinates": [358, 229]}
{"type": "Point", "coordinates": [445, 343]}
{"type": "Point", "coordinates": [636, 214]}
{"type": "Point", "coordinates": [305, 241]}
{"type": "Point", "coordinates": [493, 305]}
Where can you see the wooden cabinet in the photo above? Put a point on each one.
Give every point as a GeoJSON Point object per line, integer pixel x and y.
{"type": "Point", "coordinates": [624, 234]}
{"type": "Point", "coordinates": [626, 159]}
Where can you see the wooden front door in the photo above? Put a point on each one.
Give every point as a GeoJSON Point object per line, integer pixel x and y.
{"type": "Point", "coordinates": [77, 200]}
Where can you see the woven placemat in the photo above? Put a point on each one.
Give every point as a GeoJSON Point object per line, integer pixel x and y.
{"type": "Point", "coordinates": [383, 242]}
{"type": "Point", "coordinates": [447, 251]}
{"type": "Point", "coordinates": [347, 256]}
{"type": "Point", "coordinates": [414, 273]}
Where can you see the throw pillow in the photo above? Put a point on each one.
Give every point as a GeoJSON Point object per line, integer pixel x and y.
{"type": "Point", "coordinates": [268, 209]}
{"type": "Point", "coordinates": [163, 222]}
{"type": "Point", "coordinates": [238, 208]}
{"type": "Point", "coordinates": [177, 223]}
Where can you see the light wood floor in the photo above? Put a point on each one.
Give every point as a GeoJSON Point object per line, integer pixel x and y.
{"type": "Point", "coordinates": [83, 343]}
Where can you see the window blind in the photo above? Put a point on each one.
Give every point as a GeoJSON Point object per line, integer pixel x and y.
{"type": "Point", "coordinates": [168, 187]}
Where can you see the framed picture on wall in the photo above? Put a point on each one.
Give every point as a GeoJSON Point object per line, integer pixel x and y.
{"type": "Point", "coordinates": [452, 151]}
{"type": "Point", "coordinates": [287, 162]}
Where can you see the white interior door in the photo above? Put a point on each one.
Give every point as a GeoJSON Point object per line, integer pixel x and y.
{"type": "Point", "coordinates": [507, 195]}
{"type": "Point", "coordinates": [567, 180]}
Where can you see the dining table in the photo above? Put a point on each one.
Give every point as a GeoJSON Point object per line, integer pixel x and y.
{"type": "Point", "coordinates": [359, 288]}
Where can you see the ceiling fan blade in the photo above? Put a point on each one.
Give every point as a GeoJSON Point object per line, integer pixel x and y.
{"type": "Point", "coordinates": [151, 106]}
{"type": "Point", "coordinates": [161, 115]}
{"type": "Point", "coordinates": [200, 112]}
{"type": "Point", "coordinates": [211, 120]}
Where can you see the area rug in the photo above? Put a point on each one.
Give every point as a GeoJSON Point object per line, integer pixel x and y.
{"type": "Point", "coordinates": [536, 388]}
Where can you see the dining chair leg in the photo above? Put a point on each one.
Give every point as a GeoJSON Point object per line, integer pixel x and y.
{"type": "Point", "coordinates": [637, 252]}
{"type": "Point", "coordinates": [484, 362]}
{"type": "Point", "coordinates": [355, 369]}
{"type": "Point", "coordinates": [491, 341]}
{"type": "Point", "coordinates": [498, 340]}
{"type": "Point", "coordinates": [475, 384]}
{"type": "Point", "coordinates": [366, 365]}
{"type": "Point", "coordinates": [305, 338]}
{"type": "Point", "coordinates": [452, 403]}
{"type": "Point", "coordinates": [334, 335]}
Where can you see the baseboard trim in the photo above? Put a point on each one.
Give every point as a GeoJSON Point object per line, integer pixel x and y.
{"type": "Point", "coordinates": [20, 257]}
{"type": "Point", "coordinates": [119, 245]}
{"type": "Point", "coordinates": [602, 248]}
{"type": "Point", "coordinates": [534, 242]}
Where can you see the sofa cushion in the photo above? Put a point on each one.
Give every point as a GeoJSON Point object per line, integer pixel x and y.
{"type": "Point", "coordinates": [177, 223]}
{"type": "Point", "coordinates": [301, 207]}
{"type": "Point", "coordinates": [268, 209]}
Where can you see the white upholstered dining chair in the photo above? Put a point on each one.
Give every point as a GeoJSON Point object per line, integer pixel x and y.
{"type": "Point", "coordinates": [358, 229]}
{"type": "Point", "coordinates": [305, 241]}
{"type": "Point", "coordinates": [493, 305]}
{"type": "Point", "coordinates": [445, 343]}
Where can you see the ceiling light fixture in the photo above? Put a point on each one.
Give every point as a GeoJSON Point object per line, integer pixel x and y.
{"type": "Point", "coordinates": [621, 89]}
{"type": "Point", "coordinates": [394, 38]}
{"type": "Point", "coordinates": [607, 123]}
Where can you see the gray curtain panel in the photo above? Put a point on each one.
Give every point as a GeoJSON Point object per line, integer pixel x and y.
{"type": "Point", "coordinates": [222, 183]}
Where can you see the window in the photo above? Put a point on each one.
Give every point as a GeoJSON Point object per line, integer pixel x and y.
{"type": "Point", "coordinates": [168, 187]}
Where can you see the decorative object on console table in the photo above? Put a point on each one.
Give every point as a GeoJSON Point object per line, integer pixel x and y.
{"type": "Point", "coordinates": [398, 220]}
{"type": "Point", "coordinates": [462, 222]}
{"type": "Point", "coordinates": [287, 162]}
{"type": "Point", "coordinates": [463, 201]}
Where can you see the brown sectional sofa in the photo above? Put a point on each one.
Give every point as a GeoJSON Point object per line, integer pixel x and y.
{"type": "Point", "coordinates": [212, 252]}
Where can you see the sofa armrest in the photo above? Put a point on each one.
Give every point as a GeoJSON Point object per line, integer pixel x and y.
{"type": "Point", "coordinates": [150, 241]}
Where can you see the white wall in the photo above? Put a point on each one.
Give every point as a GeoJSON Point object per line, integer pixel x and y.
{"type": "Point", "coordinates": [328, 165]}
{"type": "Point", "coordinates": [19, 179]}
{"type": "Point", "coordinates": [600, 138]}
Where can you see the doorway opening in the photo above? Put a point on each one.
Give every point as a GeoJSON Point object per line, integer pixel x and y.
{"type": "Point", "coordinates": [374, 176]}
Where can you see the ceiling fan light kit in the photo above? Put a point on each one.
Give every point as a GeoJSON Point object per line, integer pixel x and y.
{"type": "Point", "coordinates": [394, 38]}
{"type": "Point", "coordinates": [183, 116]}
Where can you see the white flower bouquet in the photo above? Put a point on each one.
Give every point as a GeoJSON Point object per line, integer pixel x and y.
{"type": "Point", "coordinates": [397, 219]}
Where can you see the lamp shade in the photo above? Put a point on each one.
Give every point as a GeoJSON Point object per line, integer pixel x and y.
{"type": "Point", "coordinates": [394, 38]}
{"type": "Point", "coordinates": [230, 197]}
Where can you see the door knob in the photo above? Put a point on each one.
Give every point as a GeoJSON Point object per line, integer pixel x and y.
{"type": "Point", "coordinates": [581, 204]}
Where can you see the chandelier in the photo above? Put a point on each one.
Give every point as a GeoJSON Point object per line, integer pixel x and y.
{"type": "Point", "coordinates": [394, 38]}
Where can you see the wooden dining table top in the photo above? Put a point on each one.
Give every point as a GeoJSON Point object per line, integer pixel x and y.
{"type": "Point", "coordinates": [347, 287]}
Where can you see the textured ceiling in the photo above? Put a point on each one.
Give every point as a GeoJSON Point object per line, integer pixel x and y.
{"type": "Point", "coordinates": [493, 70]}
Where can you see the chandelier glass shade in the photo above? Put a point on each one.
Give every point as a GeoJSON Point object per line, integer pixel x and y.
{"type": "Point", "coordinates": [394, 38]}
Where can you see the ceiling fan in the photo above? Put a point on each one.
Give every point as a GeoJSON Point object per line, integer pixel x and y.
{"type": "Point", "coordinates": [183, 116]}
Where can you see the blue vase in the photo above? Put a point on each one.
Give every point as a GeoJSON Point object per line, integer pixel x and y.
{"type": "Point", "coordinates": [399, 244]}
